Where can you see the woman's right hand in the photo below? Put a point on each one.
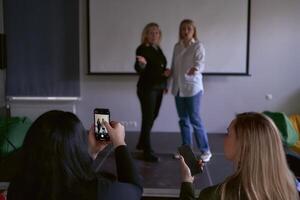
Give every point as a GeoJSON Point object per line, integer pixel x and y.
{"type": "Point", "coordinates": [116, 132]}
{"type": "Point", "coordinates": [192, 71]}
{"type": "Point", "coordinates": [141, 60]}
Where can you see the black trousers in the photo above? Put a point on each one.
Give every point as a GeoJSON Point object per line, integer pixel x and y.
{"type": "Point", "coordinates": [150, 101]}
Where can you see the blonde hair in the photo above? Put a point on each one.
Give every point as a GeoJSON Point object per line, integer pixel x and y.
{"type": "Point", "coordinates": [262, 172]}
{"type": "Point", "coordinates": [188, 22]}
{"type": "Point", "coordinates": [146, 31]}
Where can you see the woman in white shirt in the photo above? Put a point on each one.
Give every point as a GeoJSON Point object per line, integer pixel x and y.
{"type": "Point", "coordinates": [187, 67]}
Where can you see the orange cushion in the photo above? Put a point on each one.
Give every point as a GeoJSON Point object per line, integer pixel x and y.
{"type": "Point", "coordinates": [295, 119]}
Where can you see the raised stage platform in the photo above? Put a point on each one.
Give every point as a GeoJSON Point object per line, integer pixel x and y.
{"type": "Point", "coordinates": [162, 179]}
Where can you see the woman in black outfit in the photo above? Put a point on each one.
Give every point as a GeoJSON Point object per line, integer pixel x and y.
{"type": "Point", "coordinates": [151, 67]}
{"type": "Point", "coordinates": [56, 162]}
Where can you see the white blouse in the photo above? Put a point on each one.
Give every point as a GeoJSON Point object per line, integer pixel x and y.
{"type": "Point", "coordinates": [183, 59]}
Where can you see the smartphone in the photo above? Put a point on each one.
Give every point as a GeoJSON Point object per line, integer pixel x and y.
{"type": "Point", "coordinates": [101, 115]}
{"type": "Point", "coordinates": [190, 159]}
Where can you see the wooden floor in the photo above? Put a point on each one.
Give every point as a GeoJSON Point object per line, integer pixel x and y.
{"type": "Point", "coordinates": [162, 180]}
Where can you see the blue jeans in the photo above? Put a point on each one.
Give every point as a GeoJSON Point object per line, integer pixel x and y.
{"type": "Point", "coordinates": [188, 109]}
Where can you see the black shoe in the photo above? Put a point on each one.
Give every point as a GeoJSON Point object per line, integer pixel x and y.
{"type": "Point", "coordinates": [139, 146]}
{"type": "Point", "coordinates": [176, 156]}
{"type": "Point", "coordinates": [150, 157]}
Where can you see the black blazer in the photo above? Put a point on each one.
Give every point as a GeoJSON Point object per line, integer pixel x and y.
{"type": "Point", "coordinates": [151, 75]}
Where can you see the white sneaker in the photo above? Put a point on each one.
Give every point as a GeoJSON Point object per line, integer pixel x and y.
{"type": "Point", "coordinates": [176, 156]}
{"type": "Point", "coordinates": [205, 157]}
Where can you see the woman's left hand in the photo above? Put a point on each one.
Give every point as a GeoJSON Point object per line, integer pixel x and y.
{"type": "Point", "coordinates": [186, 175]}
{"type": "Point", "coordinates": [167, 72]}
{"type": "Point", "coordinates": [95, 146]}
{"type": "Point", "coordinates": [192, 71]}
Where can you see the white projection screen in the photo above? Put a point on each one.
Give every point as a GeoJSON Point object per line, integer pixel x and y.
{"type": "Point", "coordinates": [115, 28]}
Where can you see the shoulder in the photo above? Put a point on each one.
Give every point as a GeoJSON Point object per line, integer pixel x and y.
{"type": "Point", "coordinates": [211, 193]}
{"type": "Point", "coordinates": [177, 45]}
{"type": "Point", "coordinates": [140, 47]}
{"type": "Point", "coordinates": [198, 44]}
{"type": "Point", "coordinates": [199, 47]}
{"type": "Point", "coordinates": [143, 48]}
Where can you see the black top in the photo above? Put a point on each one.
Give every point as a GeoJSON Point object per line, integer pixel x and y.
{"type": "Point", "coordinates": [209, 193]}
{"type": "Point", "coordinates": [151, 75]}
{"type": "Point", "coordinates": [128, 185]}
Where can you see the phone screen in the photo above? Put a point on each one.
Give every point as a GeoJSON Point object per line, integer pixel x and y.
{"type": "Point", "coordinates": [101, 115]}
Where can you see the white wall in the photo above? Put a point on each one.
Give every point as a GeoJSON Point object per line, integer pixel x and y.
{"type": "Point", "coordinates": [274, 68]}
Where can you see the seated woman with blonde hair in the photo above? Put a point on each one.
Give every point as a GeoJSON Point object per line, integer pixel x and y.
{"type": "Point", "coordinates": [254, 145]}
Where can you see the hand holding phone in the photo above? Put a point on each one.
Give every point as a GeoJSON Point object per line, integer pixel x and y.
{"type": "Point", "coordinates": [95, 146]}
{"type": "Point", "coordinates": [117, 133]}
{"type": "Point", "coordinates": [100, 116]}
{"type": "Point", "coordinates": [190, 159]}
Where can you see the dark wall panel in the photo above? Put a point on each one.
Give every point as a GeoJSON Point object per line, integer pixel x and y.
{"type": "Point", "coordinates": [42, 48]}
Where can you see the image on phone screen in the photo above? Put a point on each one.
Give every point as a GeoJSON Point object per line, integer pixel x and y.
{"type": "Point", "coordinates": [100, 129]}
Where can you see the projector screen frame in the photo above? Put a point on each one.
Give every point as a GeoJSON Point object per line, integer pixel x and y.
{"type": "Point", "coordinates": [245, 73]}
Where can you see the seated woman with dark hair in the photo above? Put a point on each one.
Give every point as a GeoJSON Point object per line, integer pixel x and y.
{"type": "Point", "coordinates": [57, 158]}
{"type": "Point", "coordinates": [254, 145]}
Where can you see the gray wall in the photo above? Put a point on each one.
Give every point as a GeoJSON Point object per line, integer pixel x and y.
{"type": "Point", "coordinates": [274, 68]}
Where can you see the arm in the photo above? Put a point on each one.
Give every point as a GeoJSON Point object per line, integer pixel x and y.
{"type": "Point", "coordinates": [126, 168]}
{"type": "Point", "coordinates": [173, 59]}
{"type": "Point", "coordinates": [198, 60]}
{"type": "Point", "coordinates": [187, 191]}
{"type": "Point", "coordinates": [170, 79]}
{"type": "Point", "coordinates": [199, 57]}
{"type": "Point", "coordinates": [140, 62]}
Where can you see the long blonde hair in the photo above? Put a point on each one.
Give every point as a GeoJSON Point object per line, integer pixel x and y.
{"type": "Point", "coordinates": [146, 31]}
{"type": "Point", "coordinates": [262, 172]}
